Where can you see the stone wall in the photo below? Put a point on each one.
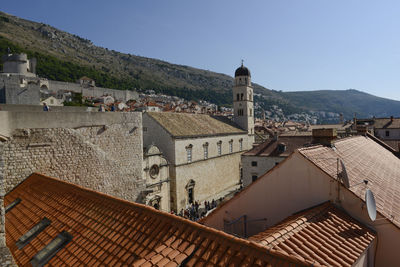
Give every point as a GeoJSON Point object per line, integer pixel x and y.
{"type": "Point", "coordinates": [122, 95]}
{"type": "Point", "coordinates": [103, 158]}
{"type": "Point", "coordinates": [17, 90]}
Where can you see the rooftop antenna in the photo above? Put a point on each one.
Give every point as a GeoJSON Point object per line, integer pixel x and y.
{"type": "Point", "coordinates": [242, 62]}
{"type": "Point", "coordinates": [371, 205]}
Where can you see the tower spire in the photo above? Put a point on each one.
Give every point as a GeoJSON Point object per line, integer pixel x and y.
{"type": "Point", "coordinates": [242, 62]}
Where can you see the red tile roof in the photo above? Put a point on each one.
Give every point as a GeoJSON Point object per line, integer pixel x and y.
{"type": "Point", "coordinates": [270, 147]}
{"type": "Point", "coordinates": [364, 159]}
{"type": "Point", "coordinates": [324, 235]}
{"type": "Point", "coordinates": [110, 231]}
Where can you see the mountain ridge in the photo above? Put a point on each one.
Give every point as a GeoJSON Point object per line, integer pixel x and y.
{"type": "Point", "coordinates": [142, 73]}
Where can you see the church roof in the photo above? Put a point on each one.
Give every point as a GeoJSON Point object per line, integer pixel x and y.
{"type": "Point", "coordinates": [183, 125]}
{"type": "Point", "coordinates": [100, 230]}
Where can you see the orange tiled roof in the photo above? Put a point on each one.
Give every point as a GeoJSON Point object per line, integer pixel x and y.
{"type": "Point", "coordinates": [324, 235]}
{"type": "Point", "coordinates": [108, 231]}
{"type": "Point", "coordinates": [364, 159]}
{"type": "Point", "coordinates": [270, 147]}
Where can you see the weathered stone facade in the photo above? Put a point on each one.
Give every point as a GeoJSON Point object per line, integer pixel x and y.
{"type": "Point", "coordinates": [156, 175]}
{"type": "Point", "coordinates": [106, 158]}
{"type": "Point", "coordinates": [206, 176]}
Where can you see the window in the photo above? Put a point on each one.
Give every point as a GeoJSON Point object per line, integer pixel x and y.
{"type": "Point", "coordinates": [231, 146]}
{"type": "Point", "coordinates": [387, 133]}
{"type": "Point", "coordinates": [189, 153]}
{"type": "Point", "coordinates": [32, 233]}
{"type": "Point", "coordinates": [51, 249]}
{"type": "Point", "coordinates": [205, 148]}
{"type": "Point", "coordinates": [253, 178]}
{"type": "Point", "coordinates": [241, 144]}
{"type": "Point", "coordinates": [219, 147]}
{"type": "Point", "coordinates": [12, 205]}
{"type": "Point", "coordinates": [144, 129]}
{"type": "Point", "coordinates": [237, 97]}
{"type": "Point", "coordinates": [154, 170]}
{"type": "Point", "coordinates": [250, 113]}
{"type": "Point", "coordinates": [254, 163]}
{"type": "Point", "coordinates": [241, 96]}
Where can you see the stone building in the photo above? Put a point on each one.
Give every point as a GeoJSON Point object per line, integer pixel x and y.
{"type": "Point", "coordinates": [243, 100]}
{"type": "Point", "coordinates": [156, 175]}
{"type": "Point", "coordinates": [203, 151]}
{"type": "Point", "coordinates": [101, 151]}
{"type": "Point", "coordinates": [19, 84]}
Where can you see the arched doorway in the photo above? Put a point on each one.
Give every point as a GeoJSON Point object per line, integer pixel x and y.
{"type": "Point", "coordinates": [190, 191]}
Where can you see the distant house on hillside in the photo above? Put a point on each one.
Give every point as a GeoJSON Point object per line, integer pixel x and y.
{"type": "Point", "coordinates": [86, 82]}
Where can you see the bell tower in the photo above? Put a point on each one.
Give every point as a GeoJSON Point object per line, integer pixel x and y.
{"type": "Point", "coordinates": [243, 100]}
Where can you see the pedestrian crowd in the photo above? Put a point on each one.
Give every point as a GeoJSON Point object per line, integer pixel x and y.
{"type": "Point", "coordinates": [196, 211]}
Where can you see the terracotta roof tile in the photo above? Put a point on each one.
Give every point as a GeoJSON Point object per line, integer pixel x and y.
{"type": "Point", "coordinates": [270, 147]}
{"type": "Point", "coordinates": [324, 235]}
{"type": "Point", "coordinates": [364, 159]}
{"type": "Point", "coordinates": [109, 231]}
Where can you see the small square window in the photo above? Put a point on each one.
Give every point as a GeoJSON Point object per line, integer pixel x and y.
{"type": "Point", "coordinates": [253, 178]}
{"type": "Point", "coordinates": [387, 133]}
{"type": "Point", "coordinates": [254, 163]}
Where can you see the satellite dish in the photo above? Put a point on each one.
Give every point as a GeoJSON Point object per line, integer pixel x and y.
{"type": "Point", "coordinates": [343, 175]}
{"type": "Point", "coordinates": [371, 206]}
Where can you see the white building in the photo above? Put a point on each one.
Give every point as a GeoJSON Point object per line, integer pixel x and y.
{"type": "Point", "coordinates": [265, 156]}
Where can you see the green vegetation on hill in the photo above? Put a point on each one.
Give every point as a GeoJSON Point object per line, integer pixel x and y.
{"type": "Point", "coordinates": [66, 57]}
{"type": "Point", "coordinates": [53, 68]}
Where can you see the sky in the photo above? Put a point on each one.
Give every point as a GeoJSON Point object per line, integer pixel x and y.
{"type": "Point", "coordinates": [288, 45]}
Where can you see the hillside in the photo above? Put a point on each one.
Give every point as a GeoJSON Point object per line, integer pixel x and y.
{"type": "Point", "coordinates": [66, 57]}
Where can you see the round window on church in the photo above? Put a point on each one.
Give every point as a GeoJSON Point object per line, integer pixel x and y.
{"type": "Point", "coordinates": [154, 170]}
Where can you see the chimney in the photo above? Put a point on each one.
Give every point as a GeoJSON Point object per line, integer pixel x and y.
{"type": "Point", "coordinates": [324, 136]}
{"type": "Point", "coordinates": [391, 118]}
{"type": "Point", "coordinates": [341, 118]}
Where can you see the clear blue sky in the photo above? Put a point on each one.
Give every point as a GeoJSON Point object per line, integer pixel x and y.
{"type": "Point", "coordinates": [288, 45]}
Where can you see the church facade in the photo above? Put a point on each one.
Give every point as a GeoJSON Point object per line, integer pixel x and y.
{"type": "Point", "coordinates": [203, 152]}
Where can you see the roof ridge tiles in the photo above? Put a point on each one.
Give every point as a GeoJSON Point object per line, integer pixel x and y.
{"type": "Point", "coordinates": [236, 242]}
